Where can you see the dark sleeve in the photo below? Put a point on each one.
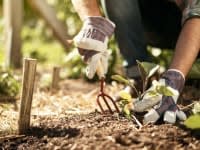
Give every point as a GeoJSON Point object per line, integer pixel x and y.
{"type": "Point", "coordinates": [191, 10]}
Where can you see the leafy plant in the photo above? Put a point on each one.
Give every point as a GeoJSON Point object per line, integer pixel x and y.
{"type": "Point", "coordinates": [38, 56]}
{"type": "Point", "coordinates": [147, 70]}
{"type": "Point", "coordinates": [125, 103]}
{"type": "Point", "coordinates": [9, 86]}
{"type": "Point", "coordinates": [162, 89]}
{"type": "Point", "coordinates": [126, 81]}
{"type": "Point", "coordinates": [193, 122]}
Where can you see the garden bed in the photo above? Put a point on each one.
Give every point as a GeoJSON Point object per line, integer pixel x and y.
{"type": "Point", "coordinates": [68, 119]}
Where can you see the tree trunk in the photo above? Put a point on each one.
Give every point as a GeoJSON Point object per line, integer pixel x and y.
{"type": "Point", "coordinates": [49, 15]}
{"type": "Point", "coordinates": [13, 12]}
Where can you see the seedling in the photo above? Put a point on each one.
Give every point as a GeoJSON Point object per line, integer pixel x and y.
{"type": "Point", "coordinates": [147, 70]}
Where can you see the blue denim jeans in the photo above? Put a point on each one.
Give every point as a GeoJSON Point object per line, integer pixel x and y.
{"type": "Point", "coordinates": [141, 22]}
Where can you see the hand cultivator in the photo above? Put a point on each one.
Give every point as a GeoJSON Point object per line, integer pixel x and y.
{"type": "Point", "coordinates": [106, 98]}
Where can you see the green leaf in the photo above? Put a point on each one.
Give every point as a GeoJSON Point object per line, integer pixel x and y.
{"type": "Point", "coordinates": [196, 108]}
{"type": "Point", "coordinates": [195, 71]}
{"type": "Point", "coordinates": [193, 122]}
{"type": "Point", "coordinates": [5, 75]}
{"type": "Point", "coordinates": [163, 89]}
{"type": "Point", "coordinates": [122, 103]}
{"type": "Point", "coordinates": [9, 85]}
{"type": "Point", "coordinates": [120, 79]}
{"type": "Point", "coordinates": [152, 93]}
{"type": "Point", "coordinates": [147, 69]}
{"type": "Point", "coordinates": [153, 71]}
{"type": "Point", "coordinates": [126, 111]}
{"type": "Point", "coordinates": [142, 70]}
{"type": "Point", "coordinates": [125, 95]}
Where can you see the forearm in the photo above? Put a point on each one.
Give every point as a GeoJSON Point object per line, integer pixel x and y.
{"type": "Point", "coordinates": [188, 46]}
{"type": "Point", "coordinates": [86, 8]}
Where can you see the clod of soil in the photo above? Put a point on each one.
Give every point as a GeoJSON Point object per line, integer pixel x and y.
{"type": "Point", "coordinates": [97, 131]}
{"type": "Point", "coordinates": [61, 121]}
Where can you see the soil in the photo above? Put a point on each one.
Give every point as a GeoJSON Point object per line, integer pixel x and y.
{"type": "Point", "coordinates": [68, 119]}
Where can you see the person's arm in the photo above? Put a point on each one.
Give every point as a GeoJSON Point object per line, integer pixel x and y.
{"type": "Point", "coordinates": [186, 51]}
{"type": "Point", "coordinates": [92, 39]}
{"type": "Point", "coordinates": [86, 8]}
{"type": "Point", "coordinates": [188, 46]}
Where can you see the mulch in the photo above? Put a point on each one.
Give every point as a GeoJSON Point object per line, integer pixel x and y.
{"type": "Point", "coordinates": [55, 127]}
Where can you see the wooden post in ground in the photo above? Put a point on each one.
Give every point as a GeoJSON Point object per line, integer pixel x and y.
{"type": "Point", "coordinates": [55, 78]}
{"type": "Point", "coordinates": [29, 70]}
{"type": "Point", "coordinates": [13, 14]}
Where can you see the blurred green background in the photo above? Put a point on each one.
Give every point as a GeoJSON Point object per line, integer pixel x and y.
{"type": "Point", "coordinates": [38, 42]}
{"type": "Point", "coordinates": [37, 37]}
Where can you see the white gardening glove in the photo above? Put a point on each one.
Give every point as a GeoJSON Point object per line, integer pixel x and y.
{"type": "Point", "coordinates": [163, 105]}
{"type": "Point", "coordinates": [92, 42]}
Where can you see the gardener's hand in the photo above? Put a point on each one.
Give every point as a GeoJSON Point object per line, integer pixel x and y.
{"type": "Point", "coordinates": [92, 44]}
{"type": "Point", "coordinates": [167, 107]}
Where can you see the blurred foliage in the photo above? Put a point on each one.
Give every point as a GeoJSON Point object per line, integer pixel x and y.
{"type": "Point", "coordinates": [9, 85]}
{"type": "Point", "coordinates": [45, 80]}
{"type": "Point", "coordinates": [74, 65]}
{"type": "Point", "coordinates": [160, 56]}
{"type": "Point", "coordinates": [195, 71]}
{"type": "Point", "coordinates": [39, 42]}
{"type": "Point", "coordinates": [1, 32]}
{"type": "Point", "coordinates": [163, 58]}
{"type": "Point", "coordinates": [38, 39]}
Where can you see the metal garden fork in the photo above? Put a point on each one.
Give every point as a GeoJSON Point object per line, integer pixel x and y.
{"type": "Point", "coordinates": [105, 97]}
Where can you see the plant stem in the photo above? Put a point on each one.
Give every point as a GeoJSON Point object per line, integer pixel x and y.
{"type": "Point", "coordinates": [132, 85]}
{"type": "Point", "coordinates": [187, 107]}
{"type": "Point", "coordinates": [137, 121]}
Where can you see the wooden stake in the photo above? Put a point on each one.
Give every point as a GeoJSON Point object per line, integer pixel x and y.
{"type": "Point", "coordinates": [29, 70]}
{"type": "Point", "coordinates": [55, 78]}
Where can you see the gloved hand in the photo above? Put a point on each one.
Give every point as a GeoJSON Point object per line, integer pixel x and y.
{"type": "Point", "coordinates": [167, 107]}
{"type": "Point", "coordinates": [92, 44]}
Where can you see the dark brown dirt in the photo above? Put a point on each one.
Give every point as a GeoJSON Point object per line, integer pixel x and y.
{"type": "Point", "coordinates": [97, 131]}
{"type": "Point", "coordinates": [58, 123]}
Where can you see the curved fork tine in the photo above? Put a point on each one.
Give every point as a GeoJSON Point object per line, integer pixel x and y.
{"type": "Point", "coordinates": [99, 104]}
{"type": "Point", "coordinates": [115, 105]}
{"type": "Point", "coordinates": [105, 100]}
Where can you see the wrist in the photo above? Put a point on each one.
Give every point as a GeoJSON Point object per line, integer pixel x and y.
{"type": "Point", "coordinates": [86, 8]}
{"type": "Point", "coordinates": [174, 78]}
